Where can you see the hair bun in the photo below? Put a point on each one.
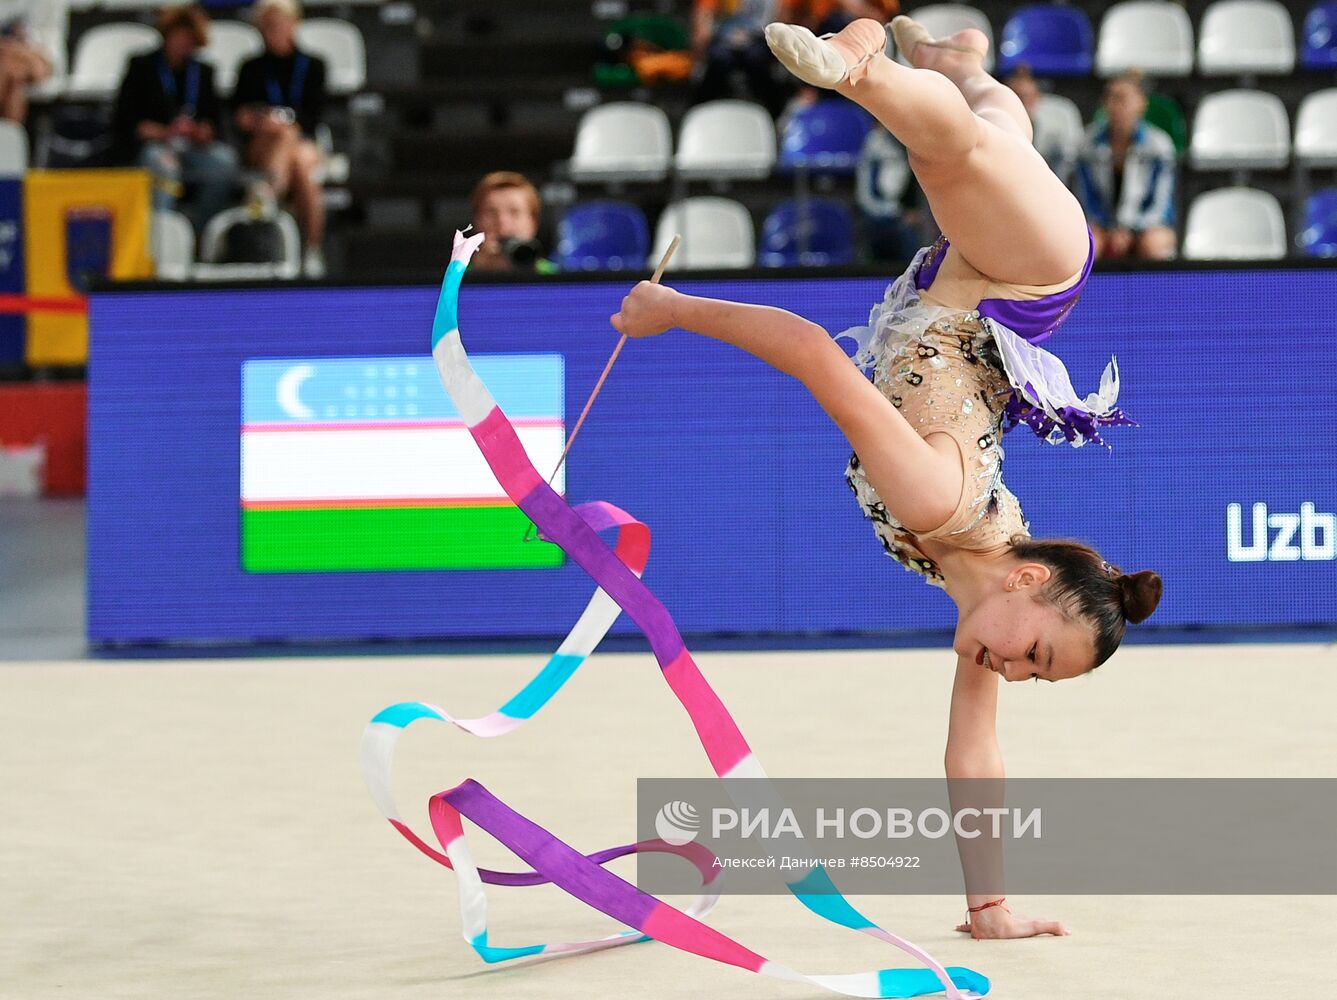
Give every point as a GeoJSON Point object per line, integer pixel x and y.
{"type": "Point", "coordinates": [1139, 593]}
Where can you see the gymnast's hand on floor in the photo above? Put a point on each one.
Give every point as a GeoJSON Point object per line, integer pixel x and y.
{"type": "Point", "coordinates": [647, 310]}
{"type": "Point", "coordinates": [998, 924]}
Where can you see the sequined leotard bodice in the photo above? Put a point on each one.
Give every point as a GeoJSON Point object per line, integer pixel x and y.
{"type": "Point", "coordinates": [941, 363]}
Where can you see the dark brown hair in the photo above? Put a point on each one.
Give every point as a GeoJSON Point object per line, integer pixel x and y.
{"type": "Point", "coordinates": [1086, 587]}
{"type": "Point", "coordinates": [191, 18]}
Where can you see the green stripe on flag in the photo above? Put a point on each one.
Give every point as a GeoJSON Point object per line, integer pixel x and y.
{"type": "Point", "coordinates": [391, 538]}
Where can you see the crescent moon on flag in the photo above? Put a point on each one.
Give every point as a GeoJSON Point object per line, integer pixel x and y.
{"type": "Point", "coordinates": [289, 386]}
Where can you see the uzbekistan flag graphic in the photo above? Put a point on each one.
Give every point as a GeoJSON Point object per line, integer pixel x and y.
{"type": "Point", "coordinates": [365, 464]}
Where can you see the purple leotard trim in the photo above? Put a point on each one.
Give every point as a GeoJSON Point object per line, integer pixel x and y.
{"type": "Point", "coordinates": [1033, 319]}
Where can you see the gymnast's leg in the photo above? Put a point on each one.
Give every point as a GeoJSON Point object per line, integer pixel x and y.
{"type": "Point", "coordinates": [968, 139]}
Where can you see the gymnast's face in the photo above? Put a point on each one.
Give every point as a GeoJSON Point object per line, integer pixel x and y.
{"type": "Point", "coordinates": [1020, 635]}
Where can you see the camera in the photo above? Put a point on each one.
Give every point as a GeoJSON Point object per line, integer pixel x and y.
{"type": "Point", "coordinates": [522, 254]}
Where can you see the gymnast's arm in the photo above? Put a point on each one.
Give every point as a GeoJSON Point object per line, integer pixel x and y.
{"type": "Point", "coordinates": [975, 780]}
{"type": "Point", "coordinates": [919, 483]}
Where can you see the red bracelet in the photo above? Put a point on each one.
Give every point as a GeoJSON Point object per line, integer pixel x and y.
{"type": "Point", "coordinates": [984, 906]}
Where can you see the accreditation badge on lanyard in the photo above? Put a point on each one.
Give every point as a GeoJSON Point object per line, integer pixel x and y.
{"type": "Point", "coordinates": [295, 84]}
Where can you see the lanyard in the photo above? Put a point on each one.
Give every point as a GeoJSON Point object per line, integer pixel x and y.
{"type": "Point", "coordinates": [295, 83]}
{"type": "Point", "coordinates": [192, 83]}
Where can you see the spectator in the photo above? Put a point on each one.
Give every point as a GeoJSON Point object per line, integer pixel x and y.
{"type": "Point", "coordinates": [829, 16]}
{"type": "Point", "coordinates": [889, 200]}
{"type": "Point", "coordinates": [1126, 177]}
{"type": "Point", "coordinates": [1055, 122]}
{"type": "Point", "coordinates": [506, 209]}
{"type": "Point", "coordinates": [32, 47]}
{"type": "Point", "coordinates": [727, 38]}
{"type": "Point", "coordinates": [166, 119]}
{"type": "Point", "coordinates": [280, 98]}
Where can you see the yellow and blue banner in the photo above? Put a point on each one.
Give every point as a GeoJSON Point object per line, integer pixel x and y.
{"type": "Point", "coordinates": [60, 230]}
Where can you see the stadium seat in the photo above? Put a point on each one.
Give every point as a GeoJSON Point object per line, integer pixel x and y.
{"type": "Point", "coordinates": [1240, 129]}
{"type": "Point", "coordinates": [1052, 39]}
{"type": "Point", "coordinates": [1235, 223]}
{"type": "Point", "coordinates": [1316, 129]}
{"type": "Point", "coordinates": [1154, 36]}
{"type": "Point", "coordinates": [716, 233]}
{"type": "Point", "coordinates": [13, 149]}
{"type": "Point", "coordinates": [214, 242]}
{"type": "Point", "coordinates": [172, 239]}
{"type": "Point", "coordinates": [825, 137]}
{"type": "Point", "coordinates": [943, 19]}
{"type": "Point", "coordinates": [726, 140]}
{"type": "Point", "coordinates": [1246, 36]}
{"type": "Point", "coordinates": [622, 141]}
{"type": "Point", "coordinates": [231, 43]}
{"type": "Point", "coordinates": [99, 60]}
{"type": "Point", "coordinates": [340, 45]}
{"type": "Point", "coordinates": [1319, 236]}
{"type": "Point", "coordinates": [1320, 37]}
{"type": "Point", "coordinates": [602, 236]}
{"type": "Point", "coordinates": [816, 233]}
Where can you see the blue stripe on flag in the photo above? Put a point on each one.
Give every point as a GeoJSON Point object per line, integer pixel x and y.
{"type": "Point", "coordinates": [391, 389]}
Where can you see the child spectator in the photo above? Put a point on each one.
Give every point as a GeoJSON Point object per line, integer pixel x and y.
{"type": "Point", "coordinates": [1126, 177]}
{"type": "Point", "coordinates": [166, 119]}
{"type": "Point", "coordinates": [280, 98]}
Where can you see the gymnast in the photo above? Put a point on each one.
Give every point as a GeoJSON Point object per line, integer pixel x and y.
{"type": "Point", "coordinates": [954, 364]}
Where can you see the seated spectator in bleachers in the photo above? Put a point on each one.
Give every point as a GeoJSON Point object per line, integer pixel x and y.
{"type": "Point", "coordinates": [823, 16]}
{"type": "Point", "coordinates": [507, 209]}
{"type": "Point", "coordinates": [1126, 177]}
{"type": "Point", "coordinates": [166, 119]}
{"type": "Point", "coordinates": [728, 37]}
{"type": "Point", "coordinates": [32, 43]}
{"type": "Point", "coordinates": [1058, 136]}
{"type": "Point", "coordinates": [889, 201]}
{"type": "Point", "coordinates": [280, 99]}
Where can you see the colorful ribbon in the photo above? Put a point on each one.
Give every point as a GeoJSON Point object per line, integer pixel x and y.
{"type": "Point", "coordinates": [617, 572]}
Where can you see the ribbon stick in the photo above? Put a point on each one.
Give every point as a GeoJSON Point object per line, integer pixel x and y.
{"type": "Point", "coordinates": [585, 411]}
{"type": "Point", "coordinates": [616, 571]}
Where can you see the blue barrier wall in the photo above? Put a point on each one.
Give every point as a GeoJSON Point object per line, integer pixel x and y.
{"type": "Point", "coordinates": [1231, 374]}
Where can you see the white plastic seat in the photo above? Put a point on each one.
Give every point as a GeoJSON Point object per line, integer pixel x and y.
{"type": "Point", "coordinates": [1240, 129]}
{"type": "Point", "coordinates": [1154, 36]}
{"type": "Point", "coordinates": [1316, 129]}
{"type": "Point", "coordinates": [231, 43]}
{"type": "Point", "coordinates": [725, 140]}
{"type": "Point", "coordinates": [1246, 36]}
{"type": "Point", "coordinates": [213, 243]}
{"type": "Point", "coordinates": [13, 150]}
{"type": "Point", "coordinates": [340, 45]}
{"type": "Point", "coordinates": [1235, 223]}
{"type": "Point", "coordinates": [943, 19]}
{"type": "Point", "coordinates": [716, 233]}
{"type": "Point", "coordinates": [103, 51]}
{"type": "Point", "coordinates": [622, 141]}
{"type": "Point", "coordinates": [172, 239]}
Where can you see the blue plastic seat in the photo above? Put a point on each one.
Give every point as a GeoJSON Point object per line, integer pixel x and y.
{"type": "Point", "coordinates": [814, 233]}
{"type": "Point", "coordinates": [1318, 238]}
{"type": "Point", "coordinates": [602, 236]}
{"type": "Point", "coordinates": [825, 137]}
{"type": "Point", "coordinates": [1052, 40]}
{"type": "Point", "coordinates": [1320, 37]}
